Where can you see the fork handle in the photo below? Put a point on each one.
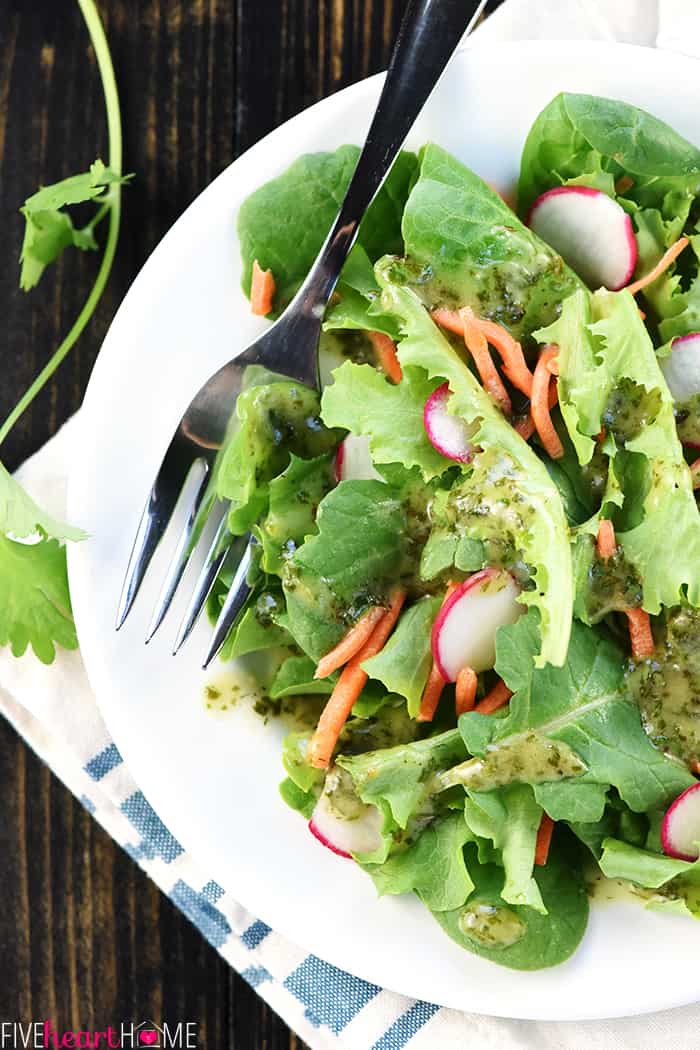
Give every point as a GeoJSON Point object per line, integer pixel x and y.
{"type": "Point", "coordinates": [429, 33]}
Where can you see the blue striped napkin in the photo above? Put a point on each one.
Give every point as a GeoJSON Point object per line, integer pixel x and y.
{"type": "Point", "coordinates": [56, 713]}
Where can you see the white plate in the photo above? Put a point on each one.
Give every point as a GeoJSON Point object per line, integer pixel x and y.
{"type": "Point", "coordinates": [213, 780]}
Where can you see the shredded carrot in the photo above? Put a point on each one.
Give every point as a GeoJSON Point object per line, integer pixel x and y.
{"type": "Point", "coordinates": [436, 683]}
{"type": "Point", "coordinates": [663, 264]}
{"type": "Point", "coordinates": [262, 290]}
{"type": "Point", "coordinates": [498, 697]}
{"type": "Point", "coordinates": [695, 472]}
{"type": "Point", "coordinates": [349, 686]}
{"type": "Point", "coordinates": [465, 694]}
{"type": "Point", "coordinates": [641, 638]}
{"type": "Point", "coordinates": [511, 354]}
{"type": "Point", "coordinates": [539, 405]}
{"type": "Point", "coordinates": [526, 426]}
{"type": "Point", "coordinates": [695, 767]}
{"type": "Point", "coordinates": [351, 643]}
{"type": "Point", "coordinates": [605, 541]}
{"type": "Point", "coordinates": [601, 435]}
{"type": "Point", "coordinates": [431, 695]}
{"type": "Point", "coordinates": [448, 319]}
{"type": "Point", "coordinates": [623, 184]}
{"type": "Point", "coordinates": [385, 349]}
{"type": "Point", "coordinates": [476, 344]}
{"type": "Point", "coordinates": [544, 838]}
{"type": "Point", "coordinates": [642, 315]}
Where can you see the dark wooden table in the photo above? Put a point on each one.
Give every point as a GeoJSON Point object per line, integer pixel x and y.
{"type": "Point", "coordinates": [85, 937]}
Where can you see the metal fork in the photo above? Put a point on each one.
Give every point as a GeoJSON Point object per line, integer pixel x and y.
{"type": "Point", "coordinates": [430, 32]}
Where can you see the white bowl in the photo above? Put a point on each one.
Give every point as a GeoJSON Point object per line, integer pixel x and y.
{"type": "Point", "coordinates": [213, 780]}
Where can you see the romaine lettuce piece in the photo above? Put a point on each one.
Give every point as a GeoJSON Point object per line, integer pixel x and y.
{"type": "Point", "coordinates": [465, 247]}
{"type": "Point", "coordinates": [508, 488]}
{"type": "Point", "coordinates": [361, 400]}
{"type": "Point", "coordinates": [274, 420]}
{"type": "Point", "coordinates": [610, 377]}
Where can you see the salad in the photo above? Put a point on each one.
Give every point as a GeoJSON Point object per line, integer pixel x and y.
{"type": "Point", "coordinates": [477, 567]}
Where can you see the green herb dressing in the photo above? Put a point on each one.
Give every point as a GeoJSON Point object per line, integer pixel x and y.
{"type": "Point", "coordinates": [667, 686]}
{"type": "Point", "coordinates": [688, 420]}
{"type": "Point", "coordinates": [531, 758]}
{"type": "Point", "coordinates": [491, 925]}
{"type": "Point", "coordinates": [630, 409]}
{"type": "Point", "coordinates": [612, 585]}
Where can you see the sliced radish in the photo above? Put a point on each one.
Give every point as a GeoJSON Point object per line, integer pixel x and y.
{"type": "Point", "coordinates": [353, 461]}
{"type": "Point", "coordinates": [591, 232]}
{"type": "Point", "coordinates": [680, 828]}
{"type": "Point", "coordinates": [446, 432]}
{"type": "Point", "coordinates": [464, 632]}
{"type": "Point", "coordinates": [681, 368]}
{"type": "Point", "coordinates": [341, 821]}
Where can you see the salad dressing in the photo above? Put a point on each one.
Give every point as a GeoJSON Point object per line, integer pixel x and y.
{"type": "Point", "coordinates": [529, 757]}
{"type": "Point", "coordinates": [491, 925]}
{"type": "Point", "coordinates": [667, 686]}
{"type": "Point", "coordinates": [630, 409]}
{"type": "Point", "coordinates": [688, 420]}
{"type": "Point", "coordinates": [612, 586]}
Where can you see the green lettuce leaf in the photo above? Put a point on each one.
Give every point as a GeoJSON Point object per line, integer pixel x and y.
{"type": "Point", "coordinates": [510, 818]}
{"type": "Point", "coordinates": [432, 866]}
{"type": "Point", "coordinates": [334, 576]}
{"type": "Point", "coordinates": [465, 247]}
{"type": "Point", "coordinates": [362, 401]}
{"type": "Point", "coordinates": [677, 881]}
{"type": "Point", "coordinates": [294, 497]}
{"type": "Point", "coordinates": [257, 628]}
{"type": "Point", "coordinates": [609, 376]}
{"type": "Point", "coordinates": [585, 136]}
{"type": "Point", "coordinates": [404, 663]}
{"type": "Point", "coordinates": [583, 705]}
{"type": "Point", "coordinates": [274, 421]}
{"type": "Point", "coordinates": [284, 223]}
{"type": "Point", "coordinates": [509, 492]}
{"type": "Point", "coordinates": [296, 678]}
{"type": "Point", "coordinates": [548, 937]}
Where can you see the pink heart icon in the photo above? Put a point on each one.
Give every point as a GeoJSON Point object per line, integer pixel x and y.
{"type": "Point", "coordinates": [149, 1037]}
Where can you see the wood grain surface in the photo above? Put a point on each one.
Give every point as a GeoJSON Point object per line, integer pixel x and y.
{"type": "Point", "coordinates": [85, 937]}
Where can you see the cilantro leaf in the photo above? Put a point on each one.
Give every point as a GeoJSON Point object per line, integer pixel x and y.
{"type": "Point", "coordinates": [21, 517]}
{"type": "Point", "coordinates": [48, 229]}
{"type": "Point", "coordinates": [35, 608]}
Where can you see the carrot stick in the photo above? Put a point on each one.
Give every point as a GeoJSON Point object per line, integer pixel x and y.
{"type": "Point", "coordinates": [465, 694]}
{"type": "Point", "coordinates": [695, 767]}
{"type": "Point", "coordinates": [663, 264]}
{"type": "Point", "coordinates": [476, 344]}
{"type": "Point", "coordinates": [511, 353]}
{"type": "Point", "coordinates": [349, 686]}
{"type": "Point", "coordinates": [436, 683]}
{"type": "Point", "coordinates": [431, 695]}
{"type": "Point", "coordinates": [605, 541]}
{"type": "Point", "coordinates": [385, 349]}
{"type": "Point", "coordinates": [641, 638]}
{"type": "Point", "coordinates": [695, 472]}
{"type": "Point", "coordinates": [498, 697]}
{"type": "Point", "coordinates": [539, 405]}
{"type": "Point", "coordinates": [351, 643]}
{"type": "Point", "coordinates": [526, 427]}
{"type": "Point", "coordinates": [448, 319]}
{"type": "Point", "coordinates": [544, 838]}
{"type": "Point", "coordinates": [623, 184]}
{"type": "Point", "coordinates": [262, 290]}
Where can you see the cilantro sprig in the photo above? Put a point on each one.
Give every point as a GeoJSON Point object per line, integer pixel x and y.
{"type": "Point", "coordinates": [34, 600]}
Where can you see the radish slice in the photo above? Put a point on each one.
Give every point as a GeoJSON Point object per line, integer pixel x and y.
{"type": "Point", "coordinates": [464, 632]}
{"type": "Point", "coordinates": [449, 434]}
{"type": "Point", "coordinates": [680, 828]}
{"type": "Point", "coordinates": [681, 368]}
{"type": "Point", "coordinates": [353, 461]}
{"type": "Point", "coordinates": [591, 232]}
{"type": "Point", "coordinates": [341, 821]}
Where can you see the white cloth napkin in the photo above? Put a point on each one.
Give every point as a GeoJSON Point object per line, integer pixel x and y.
{"type": "Point", "coordinates": [57, 714]}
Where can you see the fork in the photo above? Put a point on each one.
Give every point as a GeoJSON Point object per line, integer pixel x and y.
{"type": "Point", "coordinates": [429, 34]}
